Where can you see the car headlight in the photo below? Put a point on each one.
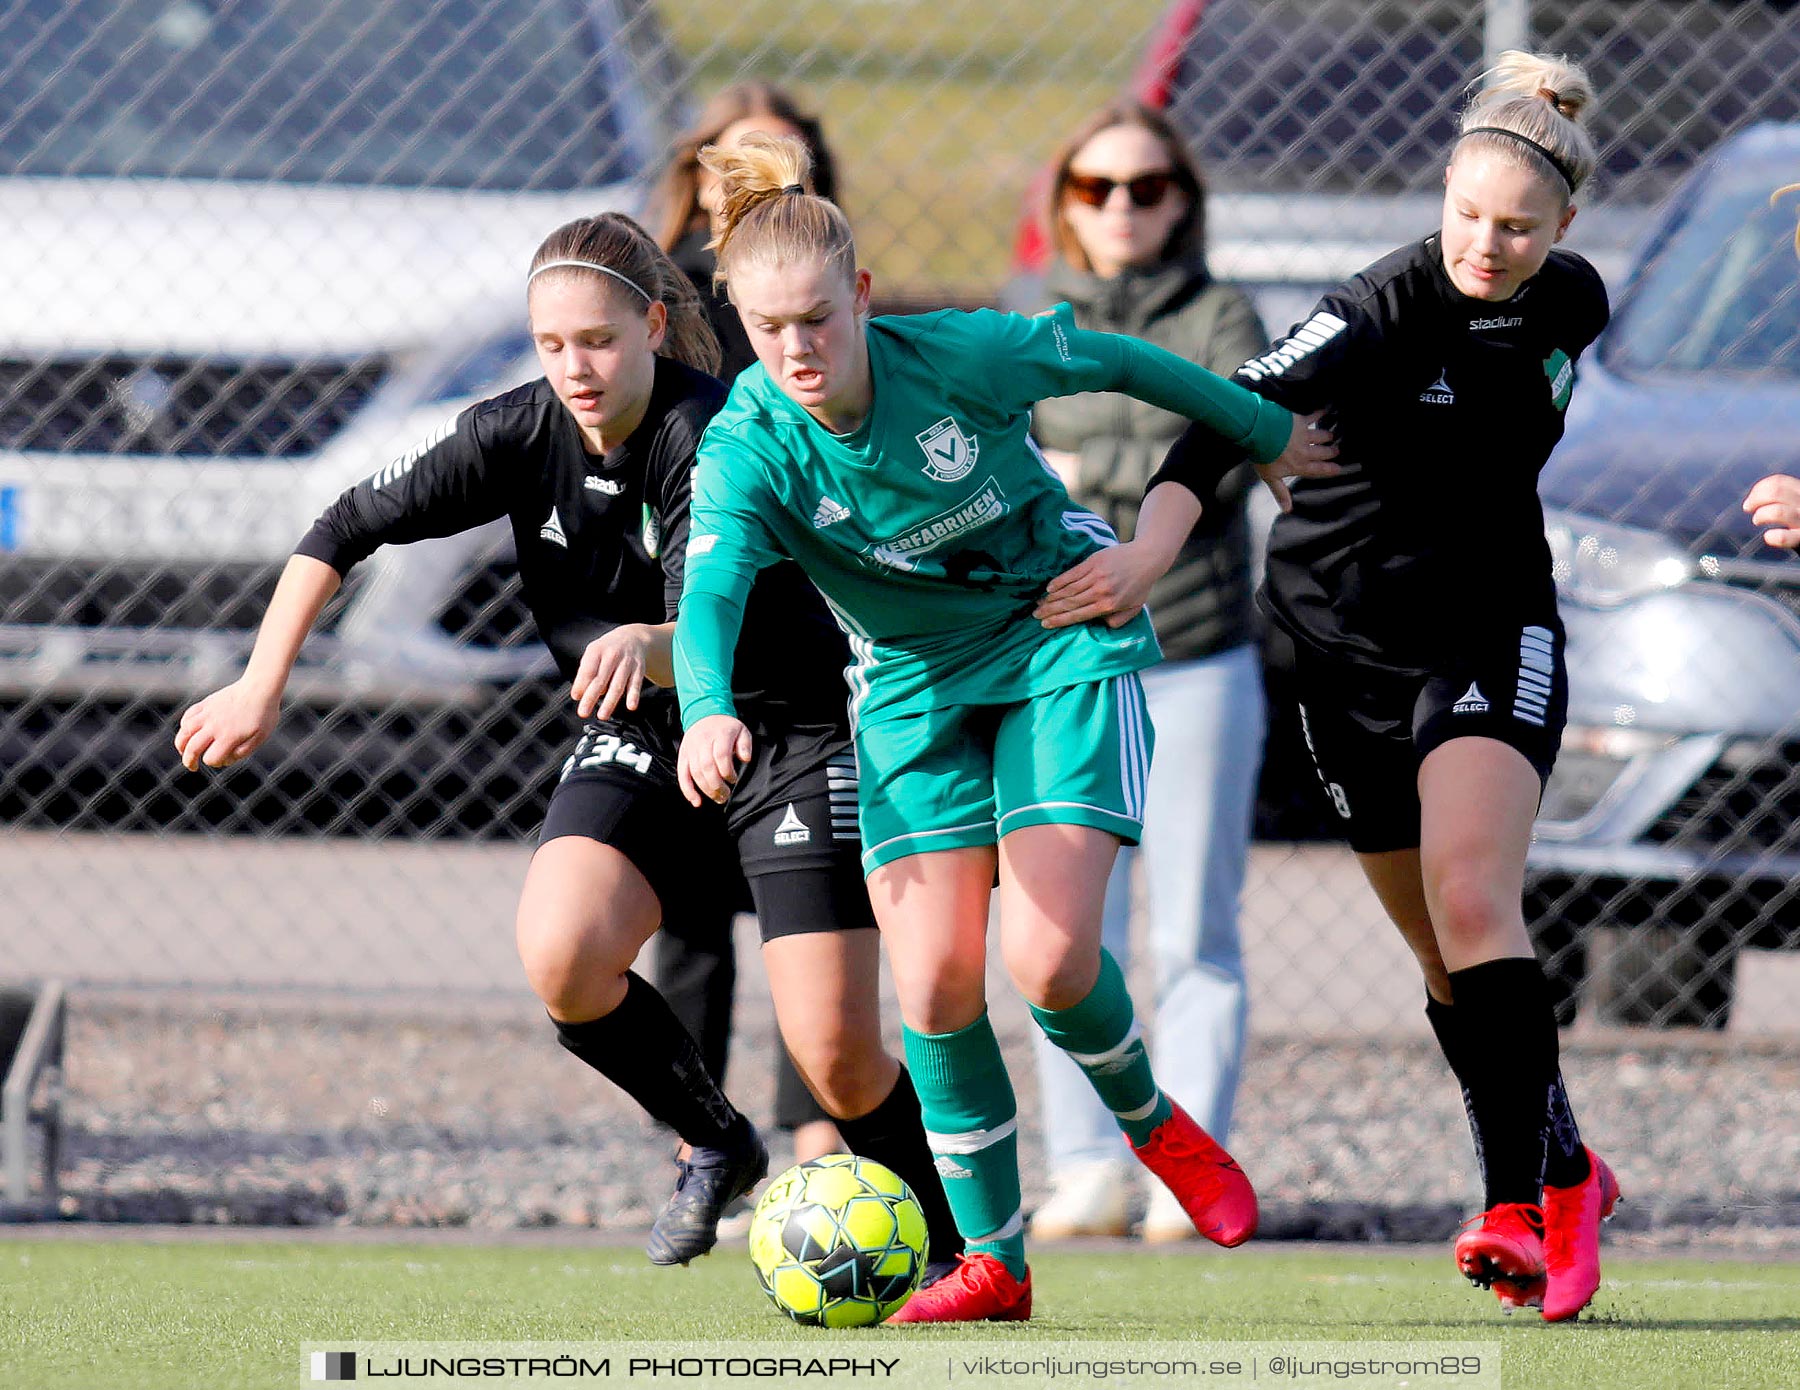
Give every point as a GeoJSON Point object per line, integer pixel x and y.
{"type": "Point", "coordinates": [1590, 764]}
{"type": "Point", "coordinates": [1603, 565]}
{"type": "Point", "coordinates": [497, 364]}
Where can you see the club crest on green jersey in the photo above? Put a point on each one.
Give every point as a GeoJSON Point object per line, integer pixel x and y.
{"type": "Point", "coordinates": [950, 452]}
{"type": "Point", "coordinates": [1561, 373]}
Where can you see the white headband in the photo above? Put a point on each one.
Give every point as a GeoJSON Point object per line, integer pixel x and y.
{"type": "Point", "coordinates": [589, 265]}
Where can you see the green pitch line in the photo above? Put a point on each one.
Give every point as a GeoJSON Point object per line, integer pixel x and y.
{"type": "Point", "coordinates": [148, 1316]}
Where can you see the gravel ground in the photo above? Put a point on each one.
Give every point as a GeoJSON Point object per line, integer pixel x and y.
{"type": "Point", "coordinates": [452, 1112]}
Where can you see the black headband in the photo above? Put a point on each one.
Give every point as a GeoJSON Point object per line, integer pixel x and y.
{"type": "Point", "coordinates": [794, 188]}
{"type": "Point", "coordinates": [1530, 144]}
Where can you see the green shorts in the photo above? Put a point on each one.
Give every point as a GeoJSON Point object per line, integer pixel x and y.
{"type": "Point", "coordinates": [968, 774]}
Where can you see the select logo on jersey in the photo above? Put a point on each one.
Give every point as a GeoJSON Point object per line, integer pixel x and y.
{"type": "Point", "coordinates": [610, 487]}
{"type": "Point", "coordinates": [1472, 701]}
{"type": "Point", "coordinates": [949, 452]}
{"type": "Point", "coordinates": [792, 830]}
{"type": "Point", "coordinates": [552, 530]}
{"type": "Point", "coordinates": [1561, 373]}
{"type": "Point", "coordinates": [902, 551]}
{"type": "Point", "coordinates": [830, 512]}
{"type": "Point", "coordinates": [1302, 343]}
{"type": "Point", "coordinates": [1439, 392]}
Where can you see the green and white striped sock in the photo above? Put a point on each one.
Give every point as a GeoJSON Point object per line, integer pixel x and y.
{"type": "Point", "coordinates": [1102, 1036]}
{"type": "Point", "coordinates": [971, 1122]}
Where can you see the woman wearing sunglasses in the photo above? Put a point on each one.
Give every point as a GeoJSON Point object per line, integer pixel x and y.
{"type": "Point", "coordinates": [1127, 221]}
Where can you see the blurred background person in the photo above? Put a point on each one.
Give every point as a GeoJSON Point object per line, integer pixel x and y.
{"type": "Point", "coordinates": [683, 213]}
{"type": "Point", "coordinates": [1127, 215]}
{"type": "Point", "coordinates": [697, 972]}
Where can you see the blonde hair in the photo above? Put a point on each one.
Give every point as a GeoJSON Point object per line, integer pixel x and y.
{"type": "Point", "coordinates": [767, 211]}
{"type": "Point", "coordinates": [622, 254]}
{"type": "Point", "coordinates": [1529, 100]}
{"type": "Point", "coordinates": [675, 202]}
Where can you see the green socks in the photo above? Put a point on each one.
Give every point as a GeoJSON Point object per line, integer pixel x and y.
{"type": "Point", "coordinates": [971, 1122]}
{"type": "Point", "coordinates": [1101, 1035]}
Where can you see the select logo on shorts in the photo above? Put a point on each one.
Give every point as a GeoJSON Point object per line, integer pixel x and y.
{"type": "Point", "coordinates": [1472, 701]}
{"type": "Point", "coordinates": [334, 1365]}
{"type": "Point", "coordinates": [792, 830]}
{"type": "Point", "coordinates": [950, 452]}
{"type": "Point", "coordinates": [902, 551]}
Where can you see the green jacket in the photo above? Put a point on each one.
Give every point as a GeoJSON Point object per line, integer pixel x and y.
{"type": "Point", "coordinates": [1203, 605]}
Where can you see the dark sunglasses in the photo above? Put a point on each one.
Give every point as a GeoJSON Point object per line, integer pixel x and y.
{"type": "Point", "coordinates": [1145, 191]}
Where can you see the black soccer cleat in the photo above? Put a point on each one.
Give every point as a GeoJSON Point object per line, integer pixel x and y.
{"type": "Point", "coordinates": [708, 1181]}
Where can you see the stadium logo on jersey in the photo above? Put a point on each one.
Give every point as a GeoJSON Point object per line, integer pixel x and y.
{"type": "Point", "coordinates": [949, 452]}
{"type": "Point", "coordinates": [1305, 340]}
{"type": "Point", "coordinates": [1499, 321]}
{"type": "Point", "coordinates": [1561, 372]}
{"type": "Point", "coordinates": [552, 530]}
{"type": "Point", "coordinates": [792, 830]}
{"type": "Point", "coordinates": [830, 513]}
{"type": "Point", "coordinates": [612, 487]}
{"type": "Point", "coordinates": [901, 552]}
{"type": "Point", "coordinates": [1439, 392]}
{"type": "Point", "coordinates": [1472, 702]}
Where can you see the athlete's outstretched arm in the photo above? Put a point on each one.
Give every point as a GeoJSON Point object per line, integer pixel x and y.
{"type": "Point", "coordinates": [233, 722]}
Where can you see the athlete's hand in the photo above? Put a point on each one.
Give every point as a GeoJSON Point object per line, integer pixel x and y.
{"type": "Point", "coordinates": [711, 754]}
{"type": "Point", "coordinates": [1774, 503]}
{"type": "Point", "coordinates": [612, 671]}
{"type": "Point", "coordinates": [227, 726]}
{"type": "Point", "coordinates": [1311, 449]}
{"type": "Point", "coordinates": [1111, 584]}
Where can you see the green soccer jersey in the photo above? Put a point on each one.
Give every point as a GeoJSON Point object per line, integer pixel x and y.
{"type": "Point", "coordinates": [933, 529]}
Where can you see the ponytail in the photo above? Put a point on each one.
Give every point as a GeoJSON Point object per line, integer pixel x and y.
{"type": "Point", "coordinates": [1533, 108]}
{"type": "Point", "coordinates": [767, 211]}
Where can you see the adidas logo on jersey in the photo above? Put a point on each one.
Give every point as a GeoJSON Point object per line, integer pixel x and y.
{"type": "Point", "coordinates": [830, 513]}
{"type": "Point", "coordinates": [1472, 702]}
{"type": "Point", "coordinates": [1439, 392]}
{"type": "Point", "coordinates": [792, 830]}
{"type": "Point", "coordinates": [552, 530]}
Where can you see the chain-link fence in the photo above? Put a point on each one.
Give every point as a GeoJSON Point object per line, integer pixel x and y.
{"type": "Point", "coordinates": [256, 248]}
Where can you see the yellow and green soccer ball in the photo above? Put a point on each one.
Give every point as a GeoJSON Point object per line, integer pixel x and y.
{"type": "Point", "coordinates": [838, 1242]}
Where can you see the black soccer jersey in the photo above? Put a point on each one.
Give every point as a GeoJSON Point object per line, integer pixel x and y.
{"type": "Point", "coordinates": [600, 539]}
{"type": "Point", "coordinates": [1445, 410]}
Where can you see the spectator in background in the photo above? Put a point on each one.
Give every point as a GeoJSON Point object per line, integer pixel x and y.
{"type": "Point", "coordinates": [1127, 220]}
{"type": "Point", "coordinates": [684, 210]}
{"type": "Point", "coordinates": [697, 973]}
{"type": "Point", "coordinates": [1774, 503]}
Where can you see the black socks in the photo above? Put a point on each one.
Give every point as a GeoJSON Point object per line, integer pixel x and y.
{"type": "Point", "coordinates": [642, 1049]}
{"type": "Point", "coordinates": [1508, 1054]}
{"type": "Point", "coordinates": [893, 1133]}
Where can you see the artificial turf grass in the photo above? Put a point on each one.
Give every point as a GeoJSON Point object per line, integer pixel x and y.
{"type": "Point", "coordinates": [134, 1314]}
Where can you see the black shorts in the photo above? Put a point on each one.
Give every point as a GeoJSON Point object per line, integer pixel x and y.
{"type": "Point", "coordinates": [618, 787]}
{"type": "Point", "coordinates": [1369, 730]}
{"type": "Point", "coordinates": [794, 806]}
